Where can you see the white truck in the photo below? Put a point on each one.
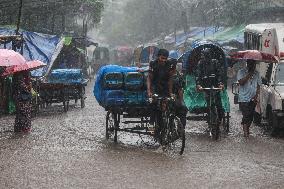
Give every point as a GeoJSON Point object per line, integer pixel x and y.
{"type": "Point", "coordinates": [269, 38]}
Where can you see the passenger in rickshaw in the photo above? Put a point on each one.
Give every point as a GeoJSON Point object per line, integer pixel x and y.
{"type": "Point", "coordinates": [161, 81]}
{"type": "Point", "coordinates": [177, 86]}
{"type": "Point", "coordinates": [210, 72]}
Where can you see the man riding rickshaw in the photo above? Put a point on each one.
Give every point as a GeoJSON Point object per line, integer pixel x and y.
{"type": "Point", "coordinates": [205, 91]}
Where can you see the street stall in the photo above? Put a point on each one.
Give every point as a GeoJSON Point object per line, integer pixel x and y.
{"type": "Point", "coordinates": [65, 78]}
{"type": "Point", "coordinates": [57, 53]}
{"type": "Point", "coordinates": [32, 46]}
{"type": "Point", "coordinates": [7, 104]}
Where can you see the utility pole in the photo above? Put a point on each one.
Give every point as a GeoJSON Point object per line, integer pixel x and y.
{"type": "Point", "coordinates": [19, 17]}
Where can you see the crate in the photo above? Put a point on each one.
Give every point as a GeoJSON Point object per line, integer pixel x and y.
{"type": "Point", "coordinates": [113, 98]}
{"type": "Point", "coordinates": [135, 98]}
{"type": "Point", "coordinates": [133, 80]}
{"type": "Point", "coordinates": [113, 80]}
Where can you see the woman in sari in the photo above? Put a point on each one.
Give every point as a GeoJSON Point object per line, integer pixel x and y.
{"type": "Point", "coordinates": [22, 96]}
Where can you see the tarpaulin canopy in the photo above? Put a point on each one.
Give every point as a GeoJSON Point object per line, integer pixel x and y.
{"type": "Point", "coordinates": [37, 46]}
{"type": "Point", "coordinates": [221, 35]}
{"type": "Point", "coordinates": [231, 33]}
{"type": "Point", "coordinates": [193, 34]}
{"type": "Point", "coordinates": [194, 100]}
{"type": "Point", "coordinates": [190, 58]}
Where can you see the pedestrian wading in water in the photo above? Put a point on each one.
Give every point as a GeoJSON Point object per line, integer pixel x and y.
{"type": "Point", "coordinates": [250, 81]}
{"type": "Point", "coordinates": [22, 96]}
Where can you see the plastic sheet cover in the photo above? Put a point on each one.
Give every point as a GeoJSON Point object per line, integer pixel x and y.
{"type": "Point", "coordinates": [100, 92]}
{"type": "Point", "coordinates": [196, 100]}
{"type": "Point", "coordinates": [37, 46]}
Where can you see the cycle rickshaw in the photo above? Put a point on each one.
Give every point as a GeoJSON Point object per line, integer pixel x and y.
{"type": "Point", "coordinates": [195, 101]}
{"type": "Point", "coordinates": [121, 91]}
{"type": "Point", "coordinates": [61, 86]}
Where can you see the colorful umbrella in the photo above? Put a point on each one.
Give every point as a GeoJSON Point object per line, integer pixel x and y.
{"type": "Point", "coordinates": [10, 58]}
{"type": "Point", "coordinates": [254, 55]}
{"type": "Point", "coordinates": [31, 65]}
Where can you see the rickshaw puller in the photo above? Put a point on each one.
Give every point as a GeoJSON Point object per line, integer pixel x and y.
{"type": "Point", "coordinates": [160, 79]}
{"type": "Point", "coordinates": [207, 67]}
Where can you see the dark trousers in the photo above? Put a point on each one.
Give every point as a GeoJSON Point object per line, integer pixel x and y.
{"type": "Point", "coordinates": [181, 111]}
{"type": "Point", "coordinates": [247, 109]}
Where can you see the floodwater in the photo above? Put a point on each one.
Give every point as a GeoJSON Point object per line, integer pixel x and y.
{"type": "Point", "coordinates": [69, 150]}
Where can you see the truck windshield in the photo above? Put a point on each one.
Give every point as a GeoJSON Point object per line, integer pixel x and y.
{"type": "Point", "coordinates": [280, 75]}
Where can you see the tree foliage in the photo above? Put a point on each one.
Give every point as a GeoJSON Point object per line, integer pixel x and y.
{"type": "Point", "coordinates": [52, 16]}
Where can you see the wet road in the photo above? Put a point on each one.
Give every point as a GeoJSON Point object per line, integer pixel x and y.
{"type": "Point", "coordinates": [68, 150]}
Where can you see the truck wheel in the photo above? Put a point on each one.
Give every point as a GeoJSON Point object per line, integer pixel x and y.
{"type": "Point", "coordinates": [275, 122]}
{"type": "Point", "coordinates": [269, 116]}
{"type": "Point", "coordinates": [275, 125]}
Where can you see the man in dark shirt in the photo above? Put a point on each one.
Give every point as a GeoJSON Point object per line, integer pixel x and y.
{"type": "Point", "coordinates": [161, 81]}
{"type": "Point", "coordinates": [160, 75]}
{"type": "Point", "coordinates": [210, 72]}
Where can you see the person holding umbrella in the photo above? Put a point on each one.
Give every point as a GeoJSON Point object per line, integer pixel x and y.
{"type": "Point", "coordinates": [13, 63]}
{"type": "Point", "coordinates": [250, 81]}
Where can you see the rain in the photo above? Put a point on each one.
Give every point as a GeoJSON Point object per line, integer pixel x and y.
{"type": "Point", "coordinates": [141, 94]}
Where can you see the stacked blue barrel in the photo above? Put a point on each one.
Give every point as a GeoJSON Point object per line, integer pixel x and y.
{"type": "Point", "coordinates": [120, 86]}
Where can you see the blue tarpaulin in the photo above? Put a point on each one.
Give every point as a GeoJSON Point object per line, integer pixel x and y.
{"type": "Point", "coordinates": [116, 97]}
{"type": "Point", "coordinates": [66, 76]}
{"type": "Point", "coordinates": [37, 46]}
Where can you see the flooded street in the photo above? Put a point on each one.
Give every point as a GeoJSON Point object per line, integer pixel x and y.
{"type": "Point", "coordinates": [69, 150]}
{"type": "Point", "coordinates": [157, 53]}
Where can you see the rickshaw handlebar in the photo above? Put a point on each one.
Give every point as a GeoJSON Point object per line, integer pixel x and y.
{"type": "Point", "coordinates": [212, 89]}
{"type": "Point", "coordinates": [157, 97]}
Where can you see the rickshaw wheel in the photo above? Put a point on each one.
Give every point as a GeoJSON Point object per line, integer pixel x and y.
{"type": "Point", "coordinates": [215, 131]}
{"type": "Point", "coordinates": [226, 123]}
{"type": "Point", "coordinates": [176, 134]}
{"type": "Point", "coordinates": [111, 122]}
{"type": "Point", "coordinates": [116, 126]}
{"type": "Point", "coordinates": [66, 106]}
{"type": "Point", "coordinates": [214, 125]}
{"type": "Point", "coordinates": [83, 97]}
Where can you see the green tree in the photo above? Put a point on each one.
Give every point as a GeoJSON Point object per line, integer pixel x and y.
{"type": "Point", "coordinates": [52, 16]}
